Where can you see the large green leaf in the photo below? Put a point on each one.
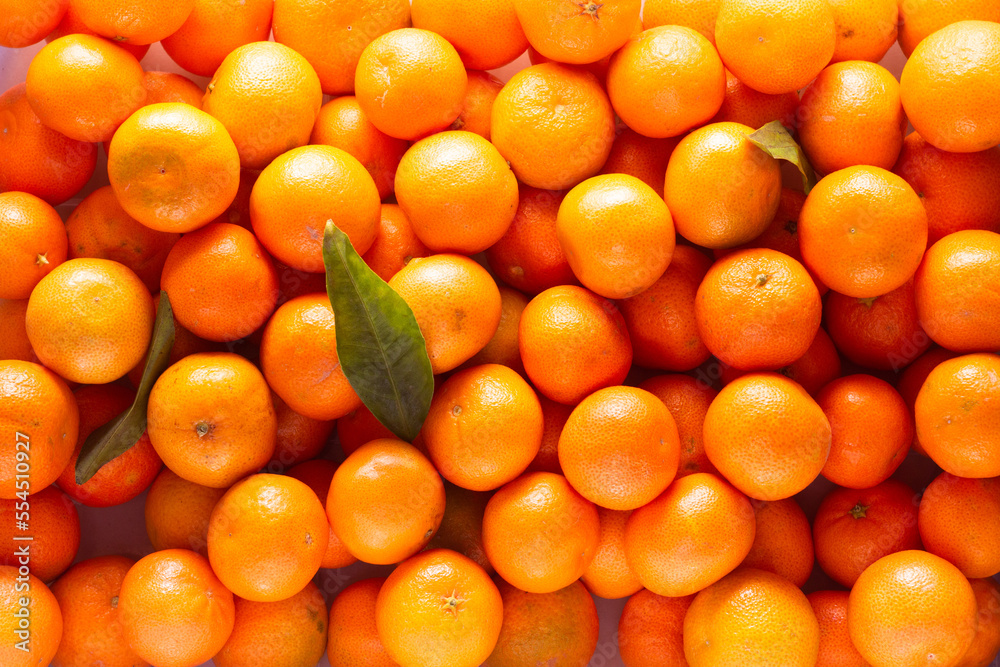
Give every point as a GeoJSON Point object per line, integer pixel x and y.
{"type": "Point", "coordinates": [118, 435]}
{"type": "Point", "coordinates": [381, 349]}
{"type": "Point", "coordinates": [775, 140]}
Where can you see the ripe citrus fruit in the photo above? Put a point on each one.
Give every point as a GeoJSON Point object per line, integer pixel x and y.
{"type": "Point", "coordinates": [688, 400]}
{"type": "Point", "coordinates": [486, 33]}
{"type": "Point", "coordinates": [174, 610]}
{"type": "Point", "coordinates": [173, 167]}
{"type": "Point", "coordinates": [863, 231]}
{"type": "Point", "coordinates": [264, 80]}
{"type": "Point", "coordinates": [88, 596]}
{"type": "Point", "coordinates": [43, 611]}
{"type": "Point", "coordinates": [573, 342]}
{"type": "Point", "coordinates": [673, 543]}
{"type": "Point", "coordinates": [556, 628]}
{"type": "Point", "coordinates": [353, 637]}
{"type": "Point", "coordinates": [72, 24]}
{"type": "Point", "coordinates": [332, 35]}
{"type": "Point", "coordinates": [757, 309]}
{"type": "Point", "coordinates": [539, 533]}
{"type": "Point", "coordinates": [456, 304]}
{"type": "Point", "coordinates": [958, 301]}
{"type": "Point", "coordinates": [438, 609]}
{"type": "Point", "coordinates": [222, 283]}
{"type": "Point", "coordinates": [717, 161]}
{"type": "Point", "coordinates": [317, 475]}
{"type": "Point", "coordinates": [911, 605]}
{"type": "Point", "coordinates": [457, 191]}
{"type": "Point", "coordinates": [853, 529]}
{"type": "Point", "coordinates": [920, 18]}
{"type": "Point", "coordinates": [395, 243]}
{"type": "Point", "coordinates": [850, 115]}
{"type": "Point", "coordinates": [288, 632]}
{"type": "Point", "coordinates": [972, 547]}
{"type": "Point", "coordinates": [133, 21]}
{"type": "Point", "coordinates": [912, 378]}
{"type": "Point", "coordinates": [742, 104]}
{"type": "Point", "coordinates": [835, 646]}
{"type": "Point", "coordinates": [951, 84]}
{"type": "Point", "coordinates": [640, 156]}
{"type": "Point", "coordinates": [211, 420]}
{"type": "Point", "coordinates": [986, 641]}
{"type": "Point", "coordinates": [751, 615]}
{"type": "Point", "coordinates": [609, 575]}
{"type": "Point", "coordinates": [767, 436]}
{"type": "Point", "coordinates": [386, 501]}
{"type": "Point", "coordinates": [484, 427]}
{"type": "Point", "coordinates": [35, 243]}
{"type": "Point", "coordinates": [782, 542]}
{"type": "Point", "coordinates": [958, 416]}
{"type": "Point", "coordinates": [25, 23]}
{"type": "Point", "coordinates": [177, 512]}
{"type": "Point", "coordinates": [477, 107]}
{"type": "Point", "coordinates": [554, 417]}
{"type": "Point", "coordinates": [661, 96]}
{"type": "Point", "coordinates": [461, 527]}
{"type": "Point", "coordinates": [35, 158]}
{"type": "Point", "coordinates": [14, 343]}
{"type": "Point", "coordinates": [871, 428]}
{"type": "Point", "coordinates": [267, 536]}
{"type": "Point", "coordinates": [554, 124]}
{"type": "Point", "coordinates": [84, 86]}
{"type": "Point", "coordinates": [342, 124]}
{"type": "Point", "coordinates": [410, 83]}
{"type": "Point", "coordinates": [952, 186]}
{"type": "Point", "coordinates": [298, 355]}
{"type": "Point", "coordinates": [122, 478]}
{"type": "Point", "coordinates": [651, 630]}
{"type": "Point", "coordinates": [774, 46]}
{"type": "Point", "coordinates": [528, 256]}
{"type": "Point", "coordinates": [620, 448]}
{"type": "Point", "coordinates": [697, 14]}
{"type": "Point", "coordinates": [90, 320]}
{"type": "Point", "coordinates": [299, 439]}
{"type": "Point", "coordinates": [300, 191]}
{"type": "Point", "coordinates": [503, 348]}
{"type": "Point", "coordinates": [213, 29]}
{"type": "Point", "coordinates": [617, 234]}
{"type": "Point", "coordinates": [54, 526]}
{"type": "Point", "coordinates": [866, 29]}
{"type": "Point", "coordinates": [577, 32]}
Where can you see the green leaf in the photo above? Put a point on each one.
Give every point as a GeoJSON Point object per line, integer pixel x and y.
{"type": "Point", "coordinates": [381, 349]}
{"type": "Point", "coordinates": [118, 435]}
{"type": "Point", "coordinates": [775, 140]}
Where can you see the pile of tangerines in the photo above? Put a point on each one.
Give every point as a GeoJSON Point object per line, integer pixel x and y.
{"type": "Point", "coordinates": [650, 333]}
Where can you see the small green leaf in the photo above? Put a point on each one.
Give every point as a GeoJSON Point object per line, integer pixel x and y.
{"type": "Point", "coordinates": [381, 349]}
{"type": "Point", "coordinates": [118, 435]}
{"type": "Point", "coordinates": [775, 140]}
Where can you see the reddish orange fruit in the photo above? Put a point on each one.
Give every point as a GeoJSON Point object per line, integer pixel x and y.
{"type": "Point", "coordinates": [53, 525]}
{"type": "Point", "coordinates": [853, 529]}
{"type": "Point", "coordinates": [782, 542]}
{"type": "Point", "coordinates": [577, 33]}
{"type": "Point", "coordinates": [35, 158]}
{"type": "Point", "coordinates": [767, 436]}
{"type": "Point", "coordinates": [651, 630]}
{"type": "Point", "coordinates": [503, 348]}
{"type": "Point", "coordinates": [213, 29]}
{"type": "Point", "coordinates": [609, 575]}
{"type": "Point", "coordinates": [912, 378]}
{"type": "Point", "coordinates": [35, 242]}
{"type": "Point", "coordinates": [25, 23]}
{"type": "Point", "coordinates": [539, 533]}
{"type": "Point", "coordinates": [43, 610]}
{"type": "Point", "coordinates": [486, 33]}
{"type": "Point", "coordinates": [353, 636]}
{"type": "Point", "coordinates": [477, 107]}
{"type": "Point", "coordinates": [299, 438]}
{"type": "Point", "coordinates": [554, 417]}
{"type": "Point", "coordinates": [986, 642]}
{"type": "Point", "coordinates": [835, 646]}
{"type": "Point", "coordinates": [672, 543]}
{"type": "Point", "coordinates": [358, 427]}
{"type": "Point", "coordinates": [317, 475]}
{"type": "Point", "coordinates": [88, 597]}
{"type": "Point", "coordinates": [952, 186]}
{"type": "Point", "coordinates": [122, 478]}
{"type": "Point", "coordinates": [461, 527]}
{"type": "Point", "coordinates": [880, 332]}
{"type": "Point", "coordinates": [395, 244]}
{"type": "Point", "coordinates": [14, 343]}
{"type": "Point", "coordinates": [620, 448]}
{"type": "Point", "coordinates": [866, 29]}
{"type": "Point", "coordinates": [688, 400]}
{"type": "Point", "coordinates": [640, 156]}
{"type": "Point", "coordinates": [813, 370]}
{"type": "Point", "coordinates": [872, 430]}
{"type": "Point", "coordinates": [742, 104]}
{"type": "Point", "coordinates": [177, 513]}
{"type": "Point", "coordinates": [528, 256]}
